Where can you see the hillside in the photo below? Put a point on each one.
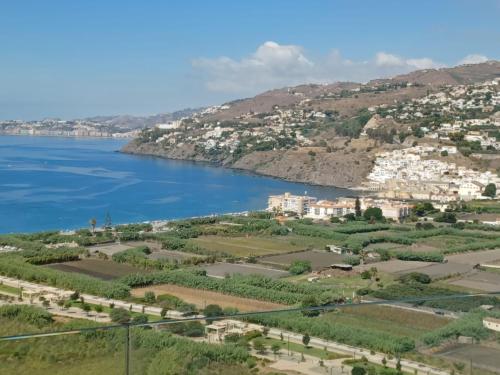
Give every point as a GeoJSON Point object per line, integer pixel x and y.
{"type": "Point", "coordinates": [319, 133]}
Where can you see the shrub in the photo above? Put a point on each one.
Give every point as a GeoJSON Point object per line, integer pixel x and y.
{"type": "Point", "coordinates": [373, 212]}
{"type": "Point", "coordinates": [299, 267]}
{"type": "Point", "coordinates": [120, 315]}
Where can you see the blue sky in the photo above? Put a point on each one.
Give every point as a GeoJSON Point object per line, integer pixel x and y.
{"type": "Point", "coordinates": [80, 58]}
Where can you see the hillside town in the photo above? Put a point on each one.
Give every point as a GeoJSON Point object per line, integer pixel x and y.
{"type": "Point", "coordinates": [65, 128]}
{"type": "Point", "coordinates": [410, 173]}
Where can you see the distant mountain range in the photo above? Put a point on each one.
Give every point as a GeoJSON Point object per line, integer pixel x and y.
{"type": "Point", "coordinates": [139, 122]}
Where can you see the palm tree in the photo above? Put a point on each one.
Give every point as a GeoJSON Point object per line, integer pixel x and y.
{"type": "Point", "coordinates": [93, 223]}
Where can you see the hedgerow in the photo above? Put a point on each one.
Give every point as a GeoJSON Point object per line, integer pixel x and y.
{"type": "Point", "coordinates": [420, 256]}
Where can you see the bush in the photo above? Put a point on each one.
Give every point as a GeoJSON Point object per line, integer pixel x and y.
{"type": "Point", "coordinates": [353, 260]}
{"type": "Point", "coordinates": [299, 267]}
{"type": "Point", "coordinates": [446, 217]}
{"type": "Point", "coordinates": [373, 212]}
{"type": "Point", "coordinates": [415, 277]}
{"type": "Point", "coordinates": [120, 315]}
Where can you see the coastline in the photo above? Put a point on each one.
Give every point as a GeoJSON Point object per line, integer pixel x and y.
{"type": "Point", "coordinates": [241, 170]}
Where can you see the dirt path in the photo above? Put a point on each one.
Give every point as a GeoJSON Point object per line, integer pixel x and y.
{"type": "Point", "coordinates": [201, 298]}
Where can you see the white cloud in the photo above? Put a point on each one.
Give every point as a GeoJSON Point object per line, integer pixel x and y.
{"type": "Point", "coordinates": [424, 63]}
{"type": "Point", "coordinates": [387, 59]}
{"type": "Point", "coordinates": [473, 59]}
{"type": "Point", "coordinates": [273, 66]}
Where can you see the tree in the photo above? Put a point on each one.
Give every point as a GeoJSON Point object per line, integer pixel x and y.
{"type": "Point", "coordinates": [373, 213]}
{"type": "Point", "coordinates": [384, 362]}
{"type": "Point", "coordinates": [275, 348]}
{"type": "Point", "coordinates": [350, 217]}
{"type": "Point", "coordinates": [258, 345]}
{"type": "Point", "coordinates": [358, 370]}
{"type": "Point", "coordinates": [98, 309]}
{"type": "Point", "coordinates": [398, 365]}
{"type": "Point", "coordinates": [150, 297]}
{"type": "Point", "coordinates": [490, 191]}
{"type": "Point", "coordinates": [265, 331]}
{"type": "Point", "coordinates": [119, 315]}
{"type": "Point", "coordinates": [444, 153]}
{"type": "Point", "coordinates": [211, 311]}
{"type": "Point", "coordinates": [140, 319]}
{"type": "Point", "coordinates": [357, 207]}
{"type": "Point", "coordinates": [310, 301]}
{"type": "Point", "coordinates": [74, 296]}
{"type": "Point", "coordinates": [93, 223]}
{"type": "Point", "coordinates": [86, 308]}
{"type": "Point", "coordinates": [446, 217]}
{"type": "Point", "coordinates": [306, 339]}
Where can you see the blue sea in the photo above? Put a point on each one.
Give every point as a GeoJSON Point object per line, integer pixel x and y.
{"type": "Point", "coordinates": [49, 183]}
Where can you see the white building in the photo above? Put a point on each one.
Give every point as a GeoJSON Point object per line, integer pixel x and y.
{"type": "Point", "coordinates": [492, 323]}
{"type": "Point", "coordinates": [290, 203]}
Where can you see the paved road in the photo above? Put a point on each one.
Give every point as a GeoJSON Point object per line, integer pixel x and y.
{"type": "Point", "coordinates": [407, 365]}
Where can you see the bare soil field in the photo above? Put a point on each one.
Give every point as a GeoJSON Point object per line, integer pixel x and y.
{"type": "Point", "coordinates": [394, 266]}
{"type": "Point", "coordinates": [201, 298]}
{"type": "Point", "coordinates": [109, 249]}
{"type": "Point", "coordinates": [102, 269]}
{"type": "Point", "coordinates": [439, 270]}
{"type": "Point", "coordinates": [172, 255]}
{"type": "Point", "coordinates": [221, 269]}
{"type": "Point", "coordinates": [476, 257]}
{"type": "Point", "coordinates": [482, 357]}
{"type": "Point", "coordinates": [318, 259]}
{"type": "Point", "coordinates": [480, 280]}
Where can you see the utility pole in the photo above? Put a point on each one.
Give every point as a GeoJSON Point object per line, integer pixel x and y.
{"type": "Point", "coordinates": [127, 349]}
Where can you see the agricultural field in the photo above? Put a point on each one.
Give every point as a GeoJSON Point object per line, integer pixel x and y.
{"type": "Point", "coordinates": [482, 357]}
{"type": "Point", "coordinates": [441, 270]}
{"type": "Point", "coordinates": [394, 266]}
{"type": "Point", "coordinates": [172, 255]}
{"type": "Point", "coordinates": [479, 280]}
{"type": "Point", "coordinates": [224, 269]}
{"type": "Point", "coordinates": [202, 298]}
{"type": "Point", "coordinates": [319, 259]}
{"type": "Point", "coordinates": [100, 269]}
{"type": "Point", "coordinates": [479, 257]}
{"type": "Point", "coordinates": [347, 283]}
{"type": "Point", "coordinates": [259, 246]}
{"type": "Point", "coordinates": [109, 249]}
{"type": "Point", "coordinates": [396, 321]}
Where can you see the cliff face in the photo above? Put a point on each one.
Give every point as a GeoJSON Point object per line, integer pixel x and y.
{"type": "Point", "coordinates": [345, 168]}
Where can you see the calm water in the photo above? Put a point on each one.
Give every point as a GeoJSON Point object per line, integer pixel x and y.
{"type": "Point", "coordinates": [60, 183]}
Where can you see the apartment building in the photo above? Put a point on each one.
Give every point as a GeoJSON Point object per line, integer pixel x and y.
{"type": "Point", "coordinates": [288, 202]}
